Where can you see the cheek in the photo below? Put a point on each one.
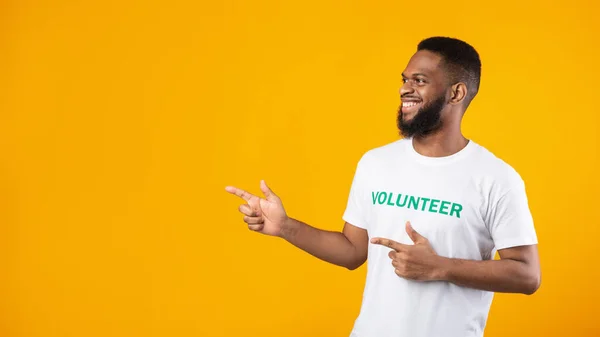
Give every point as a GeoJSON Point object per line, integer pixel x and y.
{"type": "Point", "coordinates": [427, 95]}
{"type": "Point", "coordinates": [430, 97]}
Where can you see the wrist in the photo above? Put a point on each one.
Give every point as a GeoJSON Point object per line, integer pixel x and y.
{"type": "Point", "coordinates": [286, 230]}
{"type": "Point", "coordinates": [443, 269]}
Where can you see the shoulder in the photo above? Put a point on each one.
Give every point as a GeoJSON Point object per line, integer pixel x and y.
{"type": "Point", "coordinates": [386, 152]}
{"type": "Point", "coordinates": [381, 156]}
{"type": "Point", "coordinates": [495, 171]}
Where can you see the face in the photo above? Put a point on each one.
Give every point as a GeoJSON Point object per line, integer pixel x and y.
{"type": "Point", "coordinates": [423, 96]}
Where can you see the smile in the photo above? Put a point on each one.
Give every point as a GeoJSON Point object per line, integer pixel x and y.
{"type": "Point", "coordinates": [410, 106]}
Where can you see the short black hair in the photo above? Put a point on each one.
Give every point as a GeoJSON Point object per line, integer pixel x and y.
{"type": "Point", "coordinates": [460, 59]}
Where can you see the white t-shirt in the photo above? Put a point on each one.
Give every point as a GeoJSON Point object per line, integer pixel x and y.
{"type": "Point", "coordinates": [468, 205]}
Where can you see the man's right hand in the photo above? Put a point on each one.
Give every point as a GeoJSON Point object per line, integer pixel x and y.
{"type": "Point", "coordinates": [263, 215]}
{"type": "Point", "coordinates": [267, 215]}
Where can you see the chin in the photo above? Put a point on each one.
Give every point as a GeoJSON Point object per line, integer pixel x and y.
{"type": "Point", "coordinates": [407, 117]}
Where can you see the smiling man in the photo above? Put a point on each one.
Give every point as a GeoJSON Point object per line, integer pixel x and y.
{"type": "Point", "coordinates": [428, 212]}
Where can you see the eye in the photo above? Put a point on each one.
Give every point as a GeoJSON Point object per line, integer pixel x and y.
{"type": "Point", "coordinates": [420, 80]}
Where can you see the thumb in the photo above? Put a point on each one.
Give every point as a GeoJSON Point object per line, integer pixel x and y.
{"type": "Point", "coordinates": [267, 191]}
{"type": "Point", "coordinates": [412, 233]}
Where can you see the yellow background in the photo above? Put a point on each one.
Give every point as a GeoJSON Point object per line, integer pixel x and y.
{"type": "Point", "coordinates": [122, 122]}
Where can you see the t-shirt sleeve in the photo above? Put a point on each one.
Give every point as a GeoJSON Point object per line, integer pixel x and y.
{"type": "Point", "coordinates": [510, 221]}
{"type": "Point", "coordinates": [355, 213]}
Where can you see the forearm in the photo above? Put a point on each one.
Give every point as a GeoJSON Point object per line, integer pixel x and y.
{"type": "Point", "coordinates": [329, 246]}
{"type": "Point", "coordinates": [506, 275]}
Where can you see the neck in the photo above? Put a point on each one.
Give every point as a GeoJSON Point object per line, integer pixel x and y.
{"type": "Point", "coordinates": [441, 143]}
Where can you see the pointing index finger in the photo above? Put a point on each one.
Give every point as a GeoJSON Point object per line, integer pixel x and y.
{"type": "Point", "coordinates": [388, 243]}
{"type": "Point", "coordinates": [239, 192]}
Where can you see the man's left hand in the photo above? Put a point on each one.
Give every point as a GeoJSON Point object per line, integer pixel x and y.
{"type": "Point", "coordinates": [416, 262]}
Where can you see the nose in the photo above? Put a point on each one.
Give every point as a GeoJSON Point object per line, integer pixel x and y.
{"type": "Point", "coordinates": [406, 88]}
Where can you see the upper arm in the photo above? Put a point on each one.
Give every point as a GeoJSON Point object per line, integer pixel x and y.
{"type": "Point", "coordinates": [511, 226]}
{"type": "Point", "coordinates": [359, 238]}
{"type": "Point", "coordinates": [509, 219]}
{"type": "Point", "coordinates": [528, 255]}
{"type": "Point", "coordinates": [356, 214]}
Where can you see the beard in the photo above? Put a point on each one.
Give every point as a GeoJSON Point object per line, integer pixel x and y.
{"type": "Point", "coordinates": [425, 122]}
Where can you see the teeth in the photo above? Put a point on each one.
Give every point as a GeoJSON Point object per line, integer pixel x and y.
{"type": "Point", "coordinates": [409, 104]}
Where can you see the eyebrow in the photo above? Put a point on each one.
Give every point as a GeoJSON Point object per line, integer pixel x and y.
{"type": "Point", "coordinates": [415, 74]}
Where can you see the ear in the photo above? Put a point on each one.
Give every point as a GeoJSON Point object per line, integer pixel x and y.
{"type": "Point", "coordinates": [458, 93]}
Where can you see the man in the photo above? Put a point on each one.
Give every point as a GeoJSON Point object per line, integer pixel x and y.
{"type": "Point", "coordinates": [428, 212]}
